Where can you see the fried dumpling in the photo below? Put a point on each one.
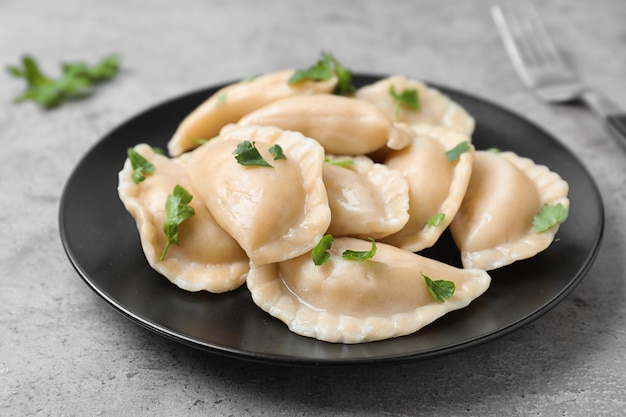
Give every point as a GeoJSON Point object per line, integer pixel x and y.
{"type": "Point", "coordinates": [437, 184]}
{"type": "Point", "coordinates": [360, 301]}
{"type": "Point", "coordinates": [366, 199]}
{"type": "Point", "coordinates": [206, 257]}
{"type": "Point", "coordinates": [234, 101]}
{"type": "Point", "coordinates": [275, 212]}
{"type": "Point", "coordinates": [435, 108]}
{"type": "Point", "coordinates": [494, 226]}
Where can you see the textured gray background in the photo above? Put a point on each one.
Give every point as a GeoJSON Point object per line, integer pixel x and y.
{"type": "Point", "coordinates": [65, 352]}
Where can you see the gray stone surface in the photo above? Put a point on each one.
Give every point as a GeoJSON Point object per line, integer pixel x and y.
{"type": "Point", "coordinates": [64, 352]}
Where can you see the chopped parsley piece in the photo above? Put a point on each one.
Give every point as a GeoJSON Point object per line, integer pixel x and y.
{"type": "Point", "coordinates": [549, 216]}
{"type": "Point", "coordinates": [277, 152]}
{"type": "Point", "coordinates": [76, 81]}
{"type": "Point", "coordinates": [408, 98]}
{"type": "Point", "coordinates": [323, 70]}
{"type": "Point", "coordinates": [344, 163]}
{"type": "Point", "coordinates": [493, 150]}
{"type": "Point", "coordinates": [140, 165]}
{"type": "Point", "coordinates": [360, 255]}
{"type": "Point", "coordinates": [221, 100]}
{"type": "Point", "coordinates": [177, 210]}
{"type": "Point", "coordinates": [320, 252]}
{"type": "Point", "coordinates": [456, 152]}
{"type": "Point", "coordinates": [440, 290]}
{"type": "Point", "coordinates": [248, 155]}
{"type": "Point", "coordinates": [436, 219]}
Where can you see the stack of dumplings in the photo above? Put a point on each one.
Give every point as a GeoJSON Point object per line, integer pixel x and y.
{"type": "Point", "coordinates": [358, 171]}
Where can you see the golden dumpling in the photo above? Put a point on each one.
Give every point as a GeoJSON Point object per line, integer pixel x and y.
{"type": "Point", "coordinates": [493, 227]}
{"type": "Point", "coordinates": [366, 199]}
{"type": "Point", "coordinates": [435, 108]}
{"type": "Point", "coordinates": [236, 100]}
{"type": "Point", "coordinates": [352, 301]}
{"type": "Point", "coordinates": [275, 212]}
{"type": "Point", "coordinates": [436, 184]}
{"type": "Point", "coordinates": [206, 257]}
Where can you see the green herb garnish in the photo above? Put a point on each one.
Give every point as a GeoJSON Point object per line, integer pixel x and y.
{"type": "Point", "coordinates": [549, 216]}
{"type": "Point", "coordinates": [344, 163]}
{"type": "Point", "coordinates": [456, 152]}
{"type": "Point", "coordinates": [140, 165]}
{"type": "Point", "coordinates": [220, 99]}
{"type": "Point", "coordinates": [436, 219]}
{"type": "Point", "coordinates": [493, 150]}
{"type": "Point", "coordinates": [408, 98]}
{"type": "Point", "coordinates": [320, 252]}
{"type": "Point", "coordinates": [360, 255]}
{"type": "Point", "coordinates": [323, 70]}
{"type": "Point", "coordinates": [440, 290]}
{"type": "Point", "coordinates": [248, 155]}
{"type": "Point", "coordinates": [76, 81]}
{"type": "Point", "coordinates": [177, 210]}
{"type": "Point", "coordinates": [277, 152]}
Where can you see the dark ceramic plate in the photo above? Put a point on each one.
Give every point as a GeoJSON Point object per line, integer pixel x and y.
{"type": "Point", "coordinates": [102, 243]}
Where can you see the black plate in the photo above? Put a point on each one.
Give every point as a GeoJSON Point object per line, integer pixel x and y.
{"type": "Point", "coordinates": [102, 243]}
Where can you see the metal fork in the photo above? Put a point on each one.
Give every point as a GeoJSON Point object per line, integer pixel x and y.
{"type": "Point", "coordinates": [540, 66]}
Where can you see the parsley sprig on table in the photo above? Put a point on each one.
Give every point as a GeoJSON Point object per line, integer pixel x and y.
{"type": "Point", "coordinates": [76, 81]}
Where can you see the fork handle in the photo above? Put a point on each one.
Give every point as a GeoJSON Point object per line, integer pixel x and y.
{"type": "Point", "coordinates": [617, 126]}
{"type": "Point", "coordinates": [608, 111]}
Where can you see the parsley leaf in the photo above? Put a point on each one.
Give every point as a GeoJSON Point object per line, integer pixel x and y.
{"type": "Point", "coordinates": [344, 163]}
{"type": "Point", "coordinates": [456, 152]}
{"type": "Point", "coordinates": [248, 155]}
{"type": "Point", "coordinates": [440, 290]}
{"type": "Point", "coordinates": [323, 70]}
{"type": "Point", "coordinates": [408, 98]}
{"type": "Point", "coordinates": [76, 81]}
{"type": "Point", "coordinates": [221, 100]}
{"type": "Point", "coordinates": [141, 166]}
{"type": "Point", "coordinates": [360, 255]}
{"type": "Point", "coordinates": [436, 219]}
{"type": "Point", "coordinates": [549, 216]}
{"type": "Point", "coordinates": [277, 152]}
{"type": "Point", "coordinates": [320, 252]}
{"type": "Point", "coordinates": [177, 210]}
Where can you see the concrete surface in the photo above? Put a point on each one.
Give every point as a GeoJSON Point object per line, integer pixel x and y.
{"type": "Point", "coordinates": [64, 352]}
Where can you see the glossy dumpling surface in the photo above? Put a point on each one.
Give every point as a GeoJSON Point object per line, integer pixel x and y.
{"type": "Point", "coordinates": [437, 185]}
{"type": "Point", "coordinates": [366, 199]}
{"type": "Point", "coordinates": [232, 102]}
{"type": "Point", "coordinates": [493, 227]}
{"type": "Point", "coordinates": [435, 107]}
{"type": "Point", "coordinates": [359, 301]}
{"type": "Point", "coordinates": [206, 258]}
{"type": "Point", "coordinates": [274, 213]}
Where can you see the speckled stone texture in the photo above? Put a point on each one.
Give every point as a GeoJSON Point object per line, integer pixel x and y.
{"type": "Point", "coordinates": [64, 352]}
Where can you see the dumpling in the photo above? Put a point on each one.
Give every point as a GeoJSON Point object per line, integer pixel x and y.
{"type": "Point", "coordinates": [274, 213]}
{"type": "Point", "coordinates": [206, 257]}
{"type": "Point", "coordinates": [493, 227]}
{"type": "Point", "coordinates": [234, 101]}
{"type": "Point", "coordinates": [437, 185]}
{"type": "Point", "coordinates": [343, 125]}
{"type": "Point", "coordinates": [351, 301]}
{"type": "Point", "coordinates": [365, 199]}
{"type": "Point", "coordinates": [435, 107]}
